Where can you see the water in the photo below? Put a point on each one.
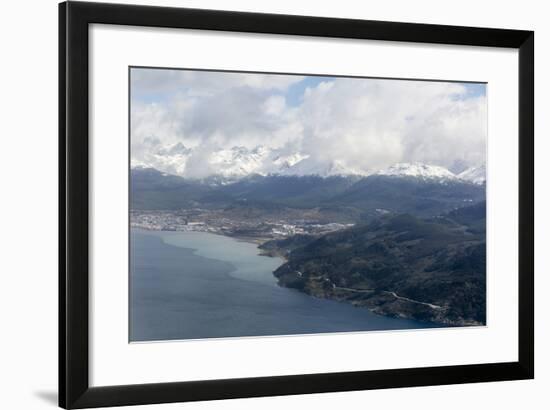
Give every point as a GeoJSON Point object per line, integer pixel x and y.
{"type": "Point", "coordinates": [193, 285]}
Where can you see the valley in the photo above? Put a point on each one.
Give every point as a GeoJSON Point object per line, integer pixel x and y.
{"type": "Point", "coordinates": [404, 243]}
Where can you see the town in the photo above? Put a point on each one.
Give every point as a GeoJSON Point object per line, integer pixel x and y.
{"type": "Point", "coordinates": [220, 221]}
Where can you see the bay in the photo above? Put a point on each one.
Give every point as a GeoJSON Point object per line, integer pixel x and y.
{"type": "Point", "coordinates": [195, 285]}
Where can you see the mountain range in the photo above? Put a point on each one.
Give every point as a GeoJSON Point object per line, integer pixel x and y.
{"type": "Point", "coordinates": [361, 196]}
{"type": "Point", "coordinates": [238, 162]}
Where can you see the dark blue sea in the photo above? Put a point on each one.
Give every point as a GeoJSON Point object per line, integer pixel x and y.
{"type": "Point", "coordinates": [194, 285]}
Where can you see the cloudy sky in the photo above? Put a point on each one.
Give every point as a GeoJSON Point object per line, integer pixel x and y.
{"type": "Point", "coordinates": [364, 124]}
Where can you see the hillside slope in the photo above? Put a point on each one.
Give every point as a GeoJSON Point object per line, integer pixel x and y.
{"type": "Point", "coordinates": [431, 270]}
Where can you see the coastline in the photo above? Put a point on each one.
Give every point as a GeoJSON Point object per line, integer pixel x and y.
{"type": "Point", "coordinates": [374, 305]}
{"type": "Point", "coordinates": [334, 294]}
{"type": "Point", "coordinates": [255, 240]}
{"type": "Point", "coordinates": [206, 245]}
{"type": "Point", "coordinates": [249, 239]}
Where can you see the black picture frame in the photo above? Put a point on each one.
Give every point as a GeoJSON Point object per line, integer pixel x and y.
{"type": "Point", "coordinates": [74, 388]}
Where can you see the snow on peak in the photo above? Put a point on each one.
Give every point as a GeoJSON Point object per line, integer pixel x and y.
{"type": "Point", "coordinates": [238, 161]}
{"type": "Point", "coordinates": [282, 162]}
{"type": "Point", "coordinates": [476, 175]}
{"type": "Point", "coordinates": [309, 166]}
{"type": "Point", "coordinates": [419, 170]}
{"type": "Point", "coordinates": [135, 164]}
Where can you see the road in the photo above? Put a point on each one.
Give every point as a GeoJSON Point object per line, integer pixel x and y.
{"type": "Point", "coordinates": [395, 295]}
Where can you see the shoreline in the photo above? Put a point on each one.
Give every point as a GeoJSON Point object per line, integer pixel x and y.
{"type": "Point", "coordinates": [258, 241]}
{"type": "Point", "coordinates": [373, 309]}
{"type": "Point", "coordinates": [249, 239]}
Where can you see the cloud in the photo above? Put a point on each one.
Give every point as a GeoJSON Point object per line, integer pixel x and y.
{"type": "Point", "coordinates": [364, 124]}
{"type": "Point", "coordinates": [197, 83]}
{"type": "Point", "coordinates": [372, 124]}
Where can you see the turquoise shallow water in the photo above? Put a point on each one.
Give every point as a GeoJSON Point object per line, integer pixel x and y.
{"type": "Point", "coordinates": [193, 285]}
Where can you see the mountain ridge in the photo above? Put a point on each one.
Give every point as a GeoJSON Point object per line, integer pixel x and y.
{"type": "Point", "coordinates": [240, 162]}
{"type": "Point", "coordinates": [367, 196]}
{"type": "Point", "coordinates": [424, 269]}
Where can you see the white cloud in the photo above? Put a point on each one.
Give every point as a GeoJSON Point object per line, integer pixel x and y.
{"type": "Point", "coordinates": [363, 124]}
{"type": "Point", "coordinates": [202, 83]}
{"type": "Point", "coordinates": [371, 124]}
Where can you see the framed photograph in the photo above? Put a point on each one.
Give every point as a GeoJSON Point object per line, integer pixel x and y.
{"type": "Point", "coordinates": [256, 204]}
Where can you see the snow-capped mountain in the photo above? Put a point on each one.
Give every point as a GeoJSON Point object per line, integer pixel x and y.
{"type": "Point", "coordinates": [324, 169]}
{"type": "Point", "coordinates": [171, 159]}
{"type": "Point", "coordinates": [231, 164]}
{"type": "Point", "coordinates": [282, 162]}
{"type": "Point", "coordinates": [418, 170]}
{"type": "Point", "coordinates": [476, 175]}
{"type": "Point", "coordinates": [238, 162]}
{"type": "Point", "coordinates": [235, 162]}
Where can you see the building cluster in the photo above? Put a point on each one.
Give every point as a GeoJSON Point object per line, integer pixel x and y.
{"type": "Point", "coordinates": [214, 221]}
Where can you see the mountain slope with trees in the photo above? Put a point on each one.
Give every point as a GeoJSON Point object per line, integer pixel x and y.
{"type": "Point", "coordinates": [426, 269]}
